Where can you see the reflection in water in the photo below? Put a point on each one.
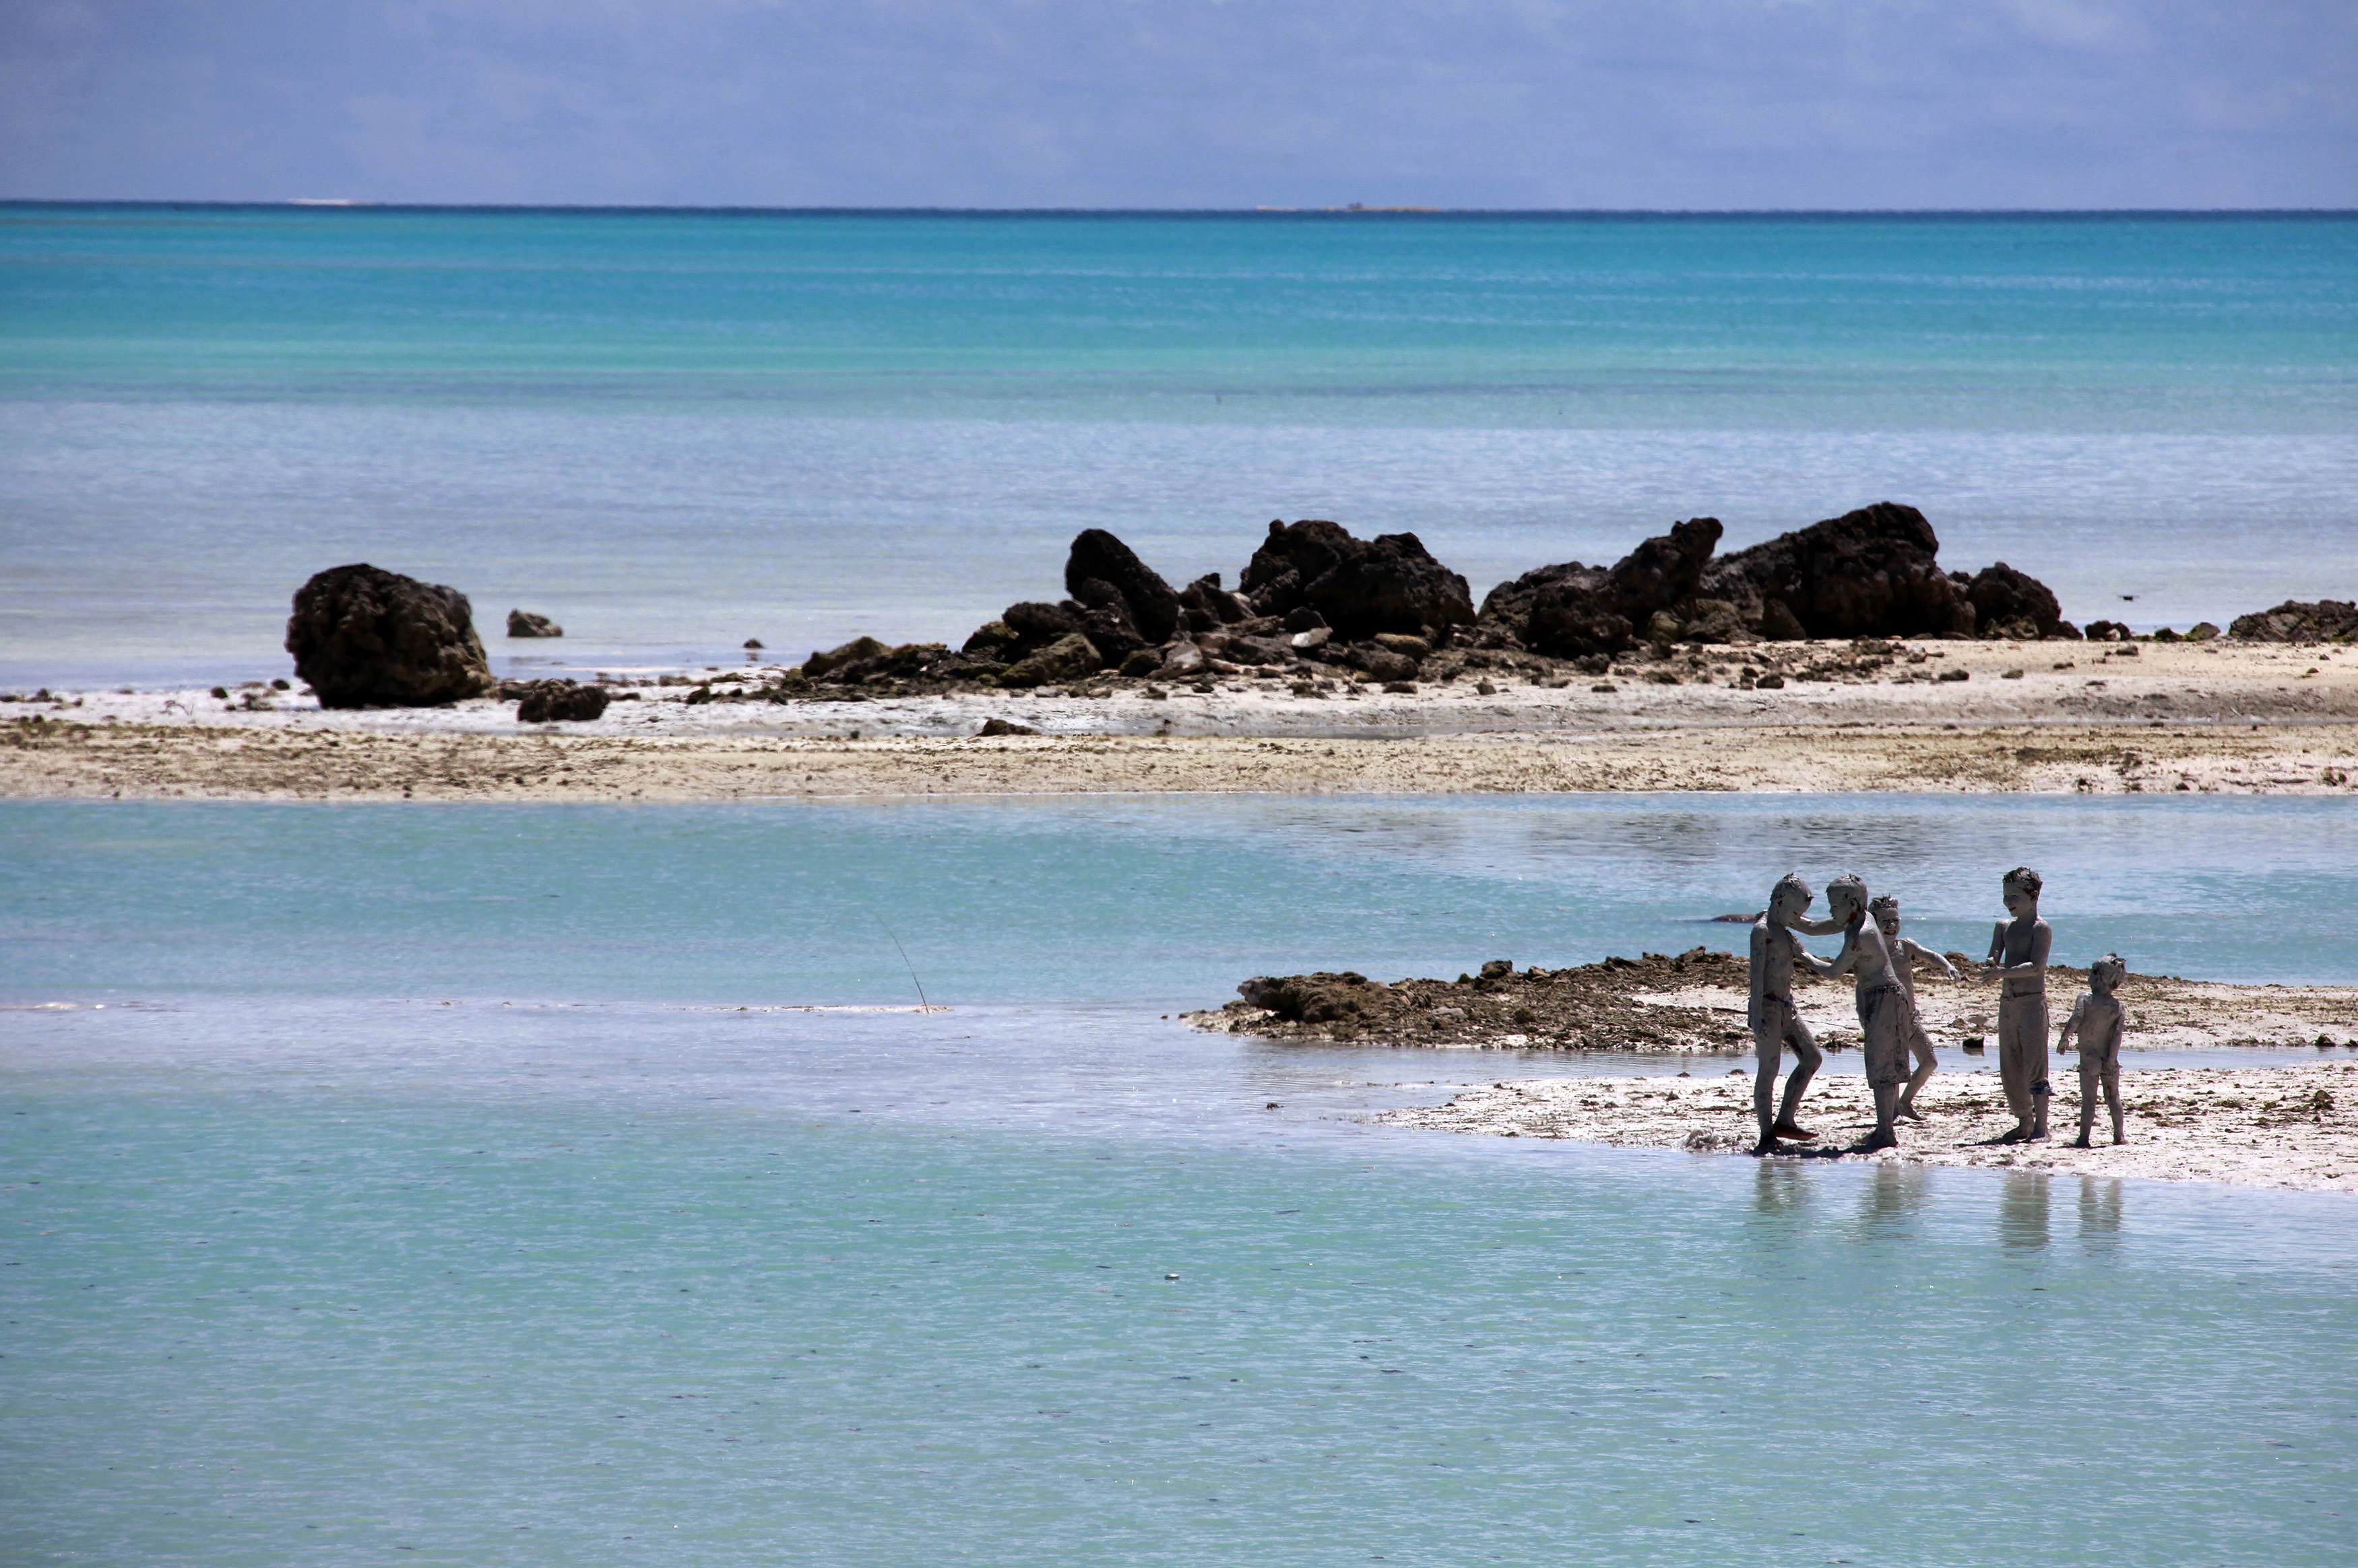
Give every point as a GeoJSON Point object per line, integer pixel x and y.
{"type": "Point", "coordinates": [1782, 1187]}
{"type": "Point", "coordinates": [2100, 1209]}
{"type": "Point", "coordinates": [2022, 1219]}
{"type": "Point", "coordinates": [1893, 1196]}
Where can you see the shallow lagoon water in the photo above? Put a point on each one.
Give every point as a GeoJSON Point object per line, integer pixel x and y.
{"type": "Point", "coordinates": [304, 1264]}
{"type": "Point", "coordinates": [674, 431]}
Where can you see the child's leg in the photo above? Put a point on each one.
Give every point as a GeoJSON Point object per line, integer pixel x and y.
{"type": "Point", "coordinates": [1807, 1059]}
{"type": "Point", "coordinates": [2112, 1099]}
{"type": "Point", "coordinates": [1920, 1043]}
{"type": "Point", "coordinates": [2090, 1086]}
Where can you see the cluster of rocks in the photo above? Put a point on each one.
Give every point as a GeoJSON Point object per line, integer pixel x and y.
{"type": "Point", "coordinates": [365, 637]}
{"type": "Point", "coordinates": [1591, 1007]}
{"type": "Point", "coordinates": [2322, 621]}
{"type": "Point", "coordinates": [1315, 601]}
{"type": "Point", "coordinates": [1875, 572]}
{"type": "Point", "coordinates": [1315, 604]}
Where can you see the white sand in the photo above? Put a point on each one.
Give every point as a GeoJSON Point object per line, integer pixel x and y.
{"type": "Point", "coordinates": [2268, 1127]}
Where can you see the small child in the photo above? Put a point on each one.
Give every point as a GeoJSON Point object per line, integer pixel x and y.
{"type": "Point", "coordinates": [2099, 1021]}
{"type": "Point", "coordinates": [1905, 952]}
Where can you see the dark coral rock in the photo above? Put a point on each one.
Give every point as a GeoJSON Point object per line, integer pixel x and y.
{"type": "Point", "coordinates": [1569, 609]}
{"type": "Point", "coordinates": [1099, 556]}
{"type": "Point", "coordinates": [1870, 573]}
{"type": "Point", "coordinates": [1068, 658]}
{"type": "Point", "coordinates": [365, 637]}
{"type": "Point", "coordinates": [2294, 621]}
{"type": "Point", "coordinates": [525, 623]}
{"type": "Point", "coordinates": [1314, 999]}
{"type": "Point", "coordinates": [2002, 595]}
{"type": "Point", "coordinates": [859, 650]}
{"type": "Point", "coordinates": [1361, 587]}
{"type": "Point", "coordinates": [558, 702]}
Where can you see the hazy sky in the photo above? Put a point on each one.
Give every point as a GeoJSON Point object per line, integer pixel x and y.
{"type": "Point", "coordinates": [1187, 102]}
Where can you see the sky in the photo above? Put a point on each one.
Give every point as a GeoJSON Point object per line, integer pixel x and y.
{"type": "Point", "coordinates": [1497, 104]}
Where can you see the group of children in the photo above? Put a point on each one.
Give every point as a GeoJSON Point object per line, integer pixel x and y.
{"type": "Point", "coordinates": [1881, 963]}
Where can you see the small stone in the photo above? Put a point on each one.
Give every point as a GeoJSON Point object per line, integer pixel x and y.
{"type": "Point", "coordinates": [1005, 727]}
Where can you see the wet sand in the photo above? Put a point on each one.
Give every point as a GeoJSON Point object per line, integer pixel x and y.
{"type": "Point", "coordinates": [2210, 718]}
{"type": "Point", "coordinates": [2290, 1127]}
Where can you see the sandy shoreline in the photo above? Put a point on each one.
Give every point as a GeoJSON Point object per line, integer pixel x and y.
{"type": "Point", "coordinates": [2210, 718]}
{"type": "Point", "coordinates": [2265, 1125]}
{"type": "Point", "coordinates": [2291, 1126]}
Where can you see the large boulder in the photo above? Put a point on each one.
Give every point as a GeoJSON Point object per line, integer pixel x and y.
{"type": "Point", "coordinates": [528, 623]}
{"type": "Point", "coordinates": [2295, 621]}
{"type": "Point", "coordinates": [365, 637]}
{"type": "Point", "coordinates": [1096, 557]}
{"type": "Point", "coordinates": [2003, 597]}
{"type": "Point", "coordinates": [1569, 610]}
{"type": "Point", "coordinates": [1870, 573]}
{"type": "Point", "coordinates": [1389, 583]}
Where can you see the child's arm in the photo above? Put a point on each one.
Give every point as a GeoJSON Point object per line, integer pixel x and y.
{"type": "Point", "coordinates": [1914, 950]}
{"type": "Point", "coordinates": [2070, 1026]}
{"type": "Point", "coordinates": [1845, 961]}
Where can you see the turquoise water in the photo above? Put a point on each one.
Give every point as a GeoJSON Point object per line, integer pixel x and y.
{"type": "Point", "coordinates": [1143, 901]}
{"type": "Point", "coordinates": [420, 1190]}
{"type": "Point", "coordinates": [676, 431]}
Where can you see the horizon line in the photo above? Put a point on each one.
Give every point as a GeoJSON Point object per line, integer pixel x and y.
{"type": "Point", "coordinates": [1350, 210]}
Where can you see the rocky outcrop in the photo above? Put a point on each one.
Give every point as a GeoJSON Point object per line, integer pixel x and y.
{"type": "Point", "coordinates": [556, 701]}
{"type": "Point", "coordinates": [1871, 573]}
{"type": "Point", "coordinates": [365, 637]}
{"type": "Point", "coordinates": [525, 623]}
{"type": "Point", "coordinates": [1361, 587]}
{"type": "Point", "coordinates": [1068, 658]}
{"type": "Point", "coordinates": [1099, 564]}
{"type": "Point", "coordinates": [2295, 621]}
{"type": "Point", "coordinates": [858, 651]}
{"type": "Point", "coordinates": [1570, 611]}
{"type": "Point", "coordinates": [2013, 604]}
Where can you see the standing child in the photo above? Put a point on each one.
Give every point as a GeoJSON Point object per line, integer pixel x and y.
{"type": "Point", "coordinates": [1776, 1022]}
{"type": "Point", "coordinates": [2099, 1020]}
{"type": "Point", "coordinates": [2018, 958]}
{"type": "Point", "coordinates": [1905, 952]}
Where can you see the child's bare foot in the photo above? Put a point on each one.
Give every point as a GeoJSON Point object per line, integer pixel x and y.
{"type": "Point", "coordinates": [1910, 1112]}
{"type": "Point", "coordinates": [2118, 1141]}
{"type": "Point", "coordinates": [2016, 1135]}
{"type": "Point", "coordinates": [2082, 1141]}
{"type": "Point", "coordinates": [1881, 1137]}
{"type": "Point", "coordinates": [1767, 1146]}
{"type": "Point", "coordinates": [1788, 1130]}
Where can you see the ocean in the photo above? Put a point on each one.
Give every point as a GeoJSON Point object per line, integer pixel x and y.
{"type": "Point", "coordinates": [674, 431]}
{"type": "Point", "coordinates": [473, 1183]}
{"type": "Point", "coordinates": [532, 1182]}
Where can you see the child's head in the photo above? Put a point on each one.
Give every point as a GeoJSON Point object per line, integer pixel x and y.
{"type": "Point", "coordinates": [2106, 973]}
{"type": "Point", "coordinates": [2022, 885]}
{"type": "Point", "coordinates": [1886, 910]}
{"type": "Point", "coordinates": [1846, 898]}
{"type": "Point", "coordinates": [1790, 896]}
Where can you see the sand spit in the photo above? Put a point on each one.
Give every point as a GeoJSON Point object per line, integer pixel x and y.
{"type": "Point", "coordinates": [2267, 1127]}
{"type": "Point", "coordinates": [2037, 717]}
{"type": "Point", "coordinates": [1695, 1002]}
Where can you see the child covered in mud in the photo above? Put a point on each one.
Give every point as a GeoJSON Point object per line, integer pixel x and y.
{"type": "Point", "coordinates": [1905, 952]}
{"type": "Point", "coordinates": [2017, 961]}
{"type": "Point", "coordinates": [1885, 1007]}
{"type": "Point", "coordinates": [2099, 1020]}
